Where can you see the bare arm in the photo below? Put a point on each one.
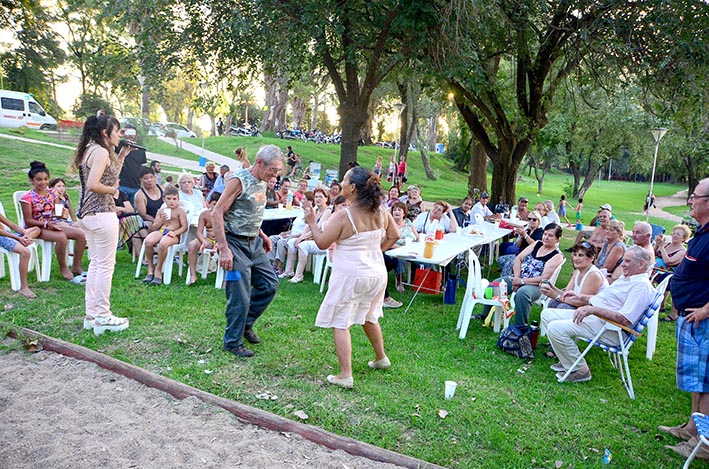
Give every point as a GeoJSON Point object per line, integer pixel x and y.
{"type": "Point", "coordinates": [588, 310]}
{"type": "Point", "coordinates": [391, 232]}
{"type": "Point", "coordinates": [673, 260]}
{"type": "Point", "coordinates": [141, 206]}
{"type": "Point", "coordinates": [232, 190]}
{"type": "Point", "coordinates": [517, 267]}
{"type": "Point", "coordinates": [333, 230]}
{"type": "Point", "coordinates": [184, 224]}
{"type": "Point", "coordinates": [98, 162]}
{"type": "Point", "coordinates": [613, 257]}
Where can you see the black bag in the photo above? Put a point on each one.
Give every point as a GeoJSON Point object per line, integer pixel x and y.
{"type": "Point", "coordinates": [515, 340]}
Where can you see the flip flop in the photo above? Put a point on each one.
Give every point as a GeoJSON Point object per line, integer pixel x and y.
{"type": "Point", "coordinates": [148, 278]}
{"type": "Point", "coordinates": [156, 281]}
{"type": "Point", "coordinates": [667, 319]}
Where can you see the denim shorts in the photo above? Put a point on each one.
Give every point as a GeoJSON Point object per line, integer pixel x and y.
{"type": "Point", "coordinates": [8, 243]}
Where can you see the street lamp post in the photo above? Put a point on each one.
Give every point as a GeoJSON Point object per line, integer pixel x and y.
{"type": "Point", "coordinates": [203, 86]}
{"type": "Point", "coordinates": [657, 134]}
{"type": "Point", "coordinates": [399, 108]}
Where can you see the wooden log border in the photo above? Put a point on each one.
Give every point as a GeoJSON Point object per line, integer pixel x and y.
{"type": "Point", "coordinates": [243, 412]}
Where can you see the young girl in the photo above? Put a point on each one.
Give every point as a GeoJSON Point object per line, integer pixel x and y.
{"type": "Point", "coordinates": [562, 210]}
{"type": "Point", "coordinates": [59, 186]}
{"type": "Point", "coordinates": [38, 211]}
{"type": "Point", "coordinates": [15, 239]}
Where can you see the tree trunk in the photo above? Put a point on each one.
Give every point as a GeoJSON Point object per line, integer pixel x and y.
{"type": "Point", "coordinates": [504, 177]}
{"type": "Point", "coordinates": [366, 133]}
{"type": "Point", "coordinates": [276, 102]}
{"type": "Point", "coordinates": [593, 168]}
{"type": "Point", "coordinates": [298, 105]}
{"type": "Point", "coordinates": [424, 157]}
{"type": "Point", "coordinates": [431, 132]}
{"type": "Point", "coordinates": [477, 173]}
{"type": "Point", "coordinates": [403, 119]}
{"type": "Point", "coordinates": [352, 120]}
{"type": "Point", "coordinates": [316, 109]}
{"type": "Point", "coordinates": [145, 103]}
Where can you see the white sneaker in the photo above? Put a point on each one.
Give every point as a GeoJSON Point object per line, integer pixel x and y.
{"type": "Point", "coordinates": [391, 303]}
{"type": "Point", "coordinates": [109, 323]}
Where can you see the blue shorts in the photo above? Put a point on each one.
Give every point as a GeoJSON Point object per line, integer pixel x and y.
{"type": "Point", "coordinates": [562, 211]}
{"type": "Point", "coordinates": [8, 243]}
{"type": "Point", "coordinates": [692, 355]}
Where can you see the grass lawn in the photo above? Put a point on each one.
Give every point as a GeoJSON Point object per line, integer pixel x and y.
{"type": "Point", "coordinates": [506, 412]}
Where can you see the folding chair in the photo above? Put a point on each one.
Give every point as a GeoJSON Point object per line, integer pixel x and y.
{"type": "Point", "coordinates": [621, 352]}
{"type": "Point", "coordinates": [701, 421]}
{"type": "Point", "coordinates": [13, 261]}
{"type": "Point", "coordinates": [47, 247]}
{"type": "Point", "coordinates": [323, 277]}
{"type": "Point", "coordinates": [478, 296]}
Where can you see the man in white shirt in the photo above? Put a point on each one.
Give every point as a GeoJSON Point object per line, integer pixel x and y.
{"type": "Point", "coordinates": [623, 302]}
{"type": "Point", "coordinates": [552, 216]}
{"type": "Point", "coordinates": [482, 209]}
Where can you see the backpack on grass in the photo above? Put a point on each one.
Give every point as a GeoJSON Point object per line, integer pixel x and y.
{"type": "Point", "coordinates": [515, 341]}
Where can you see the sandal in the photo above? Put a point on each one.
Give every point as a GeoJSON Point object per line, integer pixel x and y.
{"type": "Point", "coordinates": [78, 280]}
{"type": "Point", "coordinates": [148, 278]}
{"type": "Point", "coordinates": [550, 354]}
{"type": "Point", "coordinates": [109, 323]}
{"type": "Point", "coordinates": [156, 281]}
{"type": "Point", "coordinates": [668, 319]}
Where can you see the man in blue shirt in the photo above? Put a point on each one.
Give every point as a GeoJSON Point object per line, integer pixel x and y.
{"type": "Point", "coordinates": [690, 295]}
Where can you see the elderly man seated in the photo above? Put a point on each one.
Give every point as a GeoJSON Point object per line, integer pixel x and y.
{"type": "Point", "coordinates": [623, 302]}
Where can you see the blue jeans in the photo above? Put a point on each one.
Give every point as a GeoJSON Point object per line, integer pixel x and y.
{"type": "Point", "coordinates": [130, 192]}
{"type": "Point", "coordinates": [247, 298]}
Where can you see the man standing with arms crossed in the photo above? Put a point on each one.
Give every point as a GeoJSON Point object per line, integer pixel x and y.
{"type": "Point", "coordinates": [690, 295]}
{"type": "Point", "coordinates": [251, 283]}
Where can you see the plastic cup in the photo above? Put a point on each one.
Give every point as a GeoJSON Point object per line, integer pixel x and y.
{"type": "Point", "coordinates": [58, 209]}
{"type": "Point", "coordinates": [281, 206]}
{"type": "Point", "coordinates": [168, 212]}
{"type": "Point", "coordinates": [450, 389]}
{"type": "Point", "coordinates": [407, 241]}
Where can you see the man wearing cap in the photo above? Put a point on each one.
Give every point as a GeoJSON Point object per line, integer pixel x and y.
{"type": "Point", "coordinates": [522, 211]}
{"type": "Point", "coordinates": [130, 172]}
{"type": "Point", "coordinates": [482, 209]}
{"type": "Point", "coordinates": [690, 295]}
{"type": "Point", "coordinates": [598, 236]}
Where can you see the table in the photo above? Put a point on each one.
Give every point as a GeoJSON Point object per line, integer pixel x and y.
{"type": "Point", "coordinates": [281, 213]}
{"type": "Point", "coordinates": [449, 248]}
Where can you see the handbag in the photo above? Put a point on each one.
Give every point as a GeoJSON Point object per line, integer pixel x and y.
{"type": "Point", "coordinates": [427, 281]}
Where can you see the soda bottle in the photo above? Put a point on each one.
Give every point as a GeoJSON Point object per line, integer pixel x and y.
{"type": "Point", "coordinates": [289, 201]}
{"type": "Point", "coordinates": [428, 248]}
{"type": "Point", "coordinates": [503, 289]}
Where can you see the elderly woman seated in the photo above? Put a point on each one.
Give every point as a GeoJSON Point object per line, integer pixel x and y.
{"type": "Point", "coordinates": [586, 281]}
{"type": "Point", "coordinates": [304, 244]}
{"type": "Point", "coordinates": [613, 250]}
{"type": "Point", "coordinates": [668, 255]}
{"type": "Point", "coordinates": [188, 194]}
{"type": "Point", "coordinates": [532, 266]}
{"type": "Point", "coordinates": [440, 212]}
{"type": "Point", "coordinates": [533, 232]}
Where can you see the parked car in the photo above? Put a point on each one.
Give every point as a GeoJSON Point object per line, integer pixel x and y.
{"type": "Point", "coordinates": [180, 130]}
{"type": "Point", "coordinates": [137, 122]}
{"type": "Point", "coordinates": [156, 129]}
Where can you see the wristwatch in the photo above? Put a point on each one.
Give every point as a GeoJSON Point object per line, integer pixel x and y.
{"type": "Point", "coordinates": [558, 297]}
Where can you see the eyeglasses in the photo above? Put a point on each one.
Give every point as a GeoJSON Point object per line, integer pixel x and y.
{"type": "Point", "coordinates": [694, 196]}
{"type": "Point", "coordinates": [273, 169]}
{"type": "Point", "coordinates": [534, 219]}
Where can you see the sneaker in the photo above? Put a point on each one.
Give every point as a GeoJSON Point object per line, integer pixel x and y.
{"type": "Point", "coordinates": [678, 431]}
{"type": "Point", "coordinates": [239, 351]}
{"type": "Point", "coordinates": [578, 376]}
{"type": "Point", "coordinates": [251, 336]}
{"type": "Point", "coordinates": [88, 323]}
{"type": "Point", "coordinates": [558, 367]}
{"type": "Point", "coordinates": [391, 303]}
{"type": "Point", "coordinates": [109, 323]}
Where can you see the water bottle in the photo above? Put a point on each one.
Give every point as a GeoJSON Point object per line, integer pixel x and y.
{"type": "Point", "coordinates": [503, 289]}
{"type": "Point", "coordinates": [534, 333]}
{"type": "Point", "coordinates": [289, 201]}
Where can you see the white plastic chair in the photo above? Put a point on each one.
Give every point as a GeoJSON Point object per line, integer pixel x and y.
{"type": "Point", "coordinates": [47, 247]}
{"type": "Point", "coordinates": [178, 250]}
{"type": "Point", "coordinates": [318, 262]}
{"type": "Point", "coordinates": [477, 296]}
{"type": "Point", "coordinates": [13, 261]}
{"type": "Point", "coordinates": [206, 258]}
{"type": "Point", "coordinates": [323, 277]}
{"type": "Point", "coordinates": [626, 338]}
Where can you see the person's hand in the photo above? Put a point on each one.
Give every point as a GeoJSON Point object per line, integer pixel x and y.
{"type": "Point", "coordinates": [517, 282]}
{"type": "Point", "coordinates": [547, 289]}
{"type": "Point", "coordinates": [308, 211]}
{"type": "Point", "coordinates": [581, 313]}
{"type": "Point", "coordinates": [226, 258]}
{"type": "Point", "coordinates": [53, 226]}
{"type": "Point", "coordinates": [697, 315]}
{"type": "Point", "coordinates": [125, 149]}
{"type": "Point", "coordinates": [203, 246]}
{"type": "Point", "coordinates": [569, 296]}
{"type": "Point", "coordinates": [164, 216]}
{"type": "Point", "coordinates": [26, 240]}
{"type": "Point", "coordinates": [267, 244]}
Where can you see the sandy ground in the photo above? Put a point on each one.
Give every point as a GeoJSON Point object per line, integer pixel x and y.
{"type": "Point", "coordinates": [61, 412]}
{"type": "Point", "coordinates": [680, 198]}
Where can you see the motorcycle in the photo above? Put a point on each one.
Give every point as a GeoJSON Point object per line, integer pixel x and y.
{"type": "Point", "coordinates": [295, 134]}
{"type": "Point", "coordinates": [246, 130]}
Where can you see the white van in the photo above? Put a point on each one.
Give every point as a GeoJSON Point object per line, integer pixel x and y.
{"type": "Point", "coordinates": [18, 109]}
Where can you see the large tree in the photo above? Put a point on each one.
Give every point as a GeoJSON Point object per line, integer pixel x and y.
{"type": "Point", "coordinates": [505, 60]}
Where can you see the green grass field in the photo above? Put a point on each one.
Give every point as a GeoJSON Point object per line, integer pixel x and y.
{"type": "Point", "coordinates": [506, 412]}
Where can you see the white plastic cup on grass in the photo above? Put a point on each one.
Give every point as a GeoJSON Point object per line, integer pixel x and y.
{"type": "Point", "coordinates": [450, 389]}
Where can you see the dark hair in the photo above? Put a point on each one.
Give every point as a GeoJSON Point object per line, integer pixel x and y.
{"type": "Point", "coordinates": [145, 170]}
{"type": "Point", "coordinates": [580, 201]}
{"type": "Point", "coordinates": [37, 167]}
{"type": "Point", "coordinates": [563, 197]}
{"type": "Point", "coordinates": [369, 192]}
{"type": "Point", "coordinates": [468, 197]}
{"type": "Point", "coordinates": [153, 163]}
{"type": "Point", "coordinates": [586, 247]}
{"type": "Point", "coordinates": [392, 187]}
{"type": "Point", "coordinates": [170, 190]}
{"type": "Point", "coordinates": [401, 205]}
{"type": "Point", "coordinates": [214, 196]}
{"type": "Point", "coordinates": [308, 195]}
{"type": "Point", "coordinates": [558, 231]}
{"type": "Point", "coordinates": [339, 200]}
{"type": "Point", "coordinates": [55, 181]}
{"type": "Point", "coordinates": [92, 132]}
{"type": "Point", "coordinates": [335, 183]}
{"type": "Point", "coordinates": [323, 192]}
